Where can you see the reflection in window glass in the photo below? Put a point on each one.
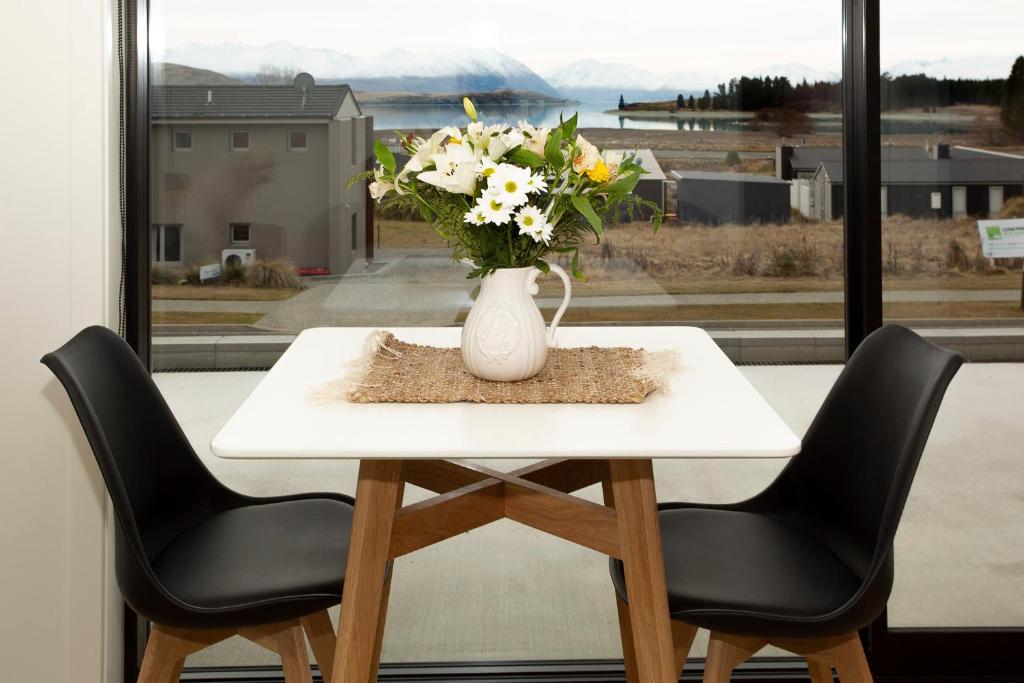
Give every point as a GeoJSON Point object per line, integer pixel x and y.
{"type": "Point", "coordinates": [740, 134]}
{"type": "Point", "coordinates": [952, 157]}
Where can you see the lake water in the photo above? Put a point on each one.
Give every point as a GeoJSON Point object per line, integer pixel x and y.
{"type": "Point", "coordinates": [592, 115]}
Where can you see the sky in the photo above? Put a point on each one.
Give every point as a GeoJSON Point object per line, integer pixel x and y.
{"type": "Point", "coordinates": [734, 36]}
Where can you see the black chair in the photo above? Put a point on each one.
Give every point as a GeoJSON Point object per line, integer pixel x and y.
{"type": "Point", "coordinates": [809, 561]}
{"type": "Point", "coordinates": [198, 560]}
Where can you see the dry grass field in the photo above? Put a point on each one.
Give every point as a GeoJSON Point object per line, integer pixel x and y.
{"type": "Point", "coordinates": [918, 254]}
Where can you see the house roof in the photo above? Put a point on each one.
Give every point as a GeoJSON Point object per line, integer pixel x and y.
{"type": "Point", "coordinates": [728, 177]}
{"type": "Point", "coordinates": [987, 170]}
{"type": "Point", "coordinates": [809, 158]}
{"type": "Point", "coordinates": [645, 157]}
{"type": "Point", "coordinates": [246, 101]}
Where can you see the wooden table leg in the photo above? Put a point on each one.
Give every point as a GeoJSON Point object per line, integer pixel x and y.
{"type": "Point", "coordinates": [378, 645]}
{"type": "Point", "coordinates": [640, 542]}
{"type": "Point", "coordinates": [376, 497]}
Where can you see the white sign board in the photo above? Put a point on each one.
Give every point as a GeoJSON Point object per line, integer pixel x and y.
{"type": "Point", "coordinates": [1002, 238]}
{"type": "Point", "coordinates": [209, 272]}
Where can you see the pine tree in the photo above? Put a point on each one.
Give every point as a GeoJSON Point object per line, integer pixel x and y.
{"type": "Point", "coordinates": [692, 104]}
{"type": "Point", "coordinates": [622, 102]}
{"type": "Point", "coordinates": [1013, 101]}
{"type": "Point", "coordinates": [680, 102]}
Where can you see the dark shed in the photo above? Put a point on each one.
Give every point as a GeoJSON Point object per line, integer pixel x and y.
{"type": "Point", "coordinates": [715, 198]}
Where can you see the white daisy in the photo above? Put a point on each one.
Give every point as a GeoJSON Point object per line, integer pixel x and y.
{"type": "Point", "coordinates": [531, 221]}
{"type": "Point", "coordinates": [475, 216]}
{"type": "Point", "coordinates": [486, 167]}
{"type": "Point", "coordinates": [510, 182]}
{"type": "Point", "coordinates": [494, 208]}
{"type": "Point", "coordinates": [536, 183]}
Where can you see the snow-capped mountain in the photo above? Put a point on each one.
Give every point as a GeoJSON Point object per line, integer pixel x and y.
{"type": "Point", "coordinates": [596, 81]}
{"type": "Point", "coordinates": [797, 73]}
{"type": "Point", "coordinates": [978, 67]}
{"type": "Point", "coordinates": [592, 80]}
{"type": "Point", "coordinates": [397, 70]}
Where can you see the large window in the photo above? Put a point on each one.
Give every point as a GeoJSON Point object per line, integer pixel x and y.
{"type": "Point", "coordinates": [731, 113]}
{"type": "Point", "coordinates": [736, 110]}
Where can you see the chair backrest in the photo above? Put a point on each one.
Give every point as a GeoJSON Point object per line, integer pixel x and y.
{"type": "Point", "coordinates": [157, 483]}
{"type": "Point", "coordinates": [850, 483]}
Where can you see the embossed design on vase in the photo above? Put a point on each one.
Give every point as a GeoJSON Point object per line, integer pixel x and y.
{"type": "Point", "coordinates": [504, 338]}
{"type": "Point", "coordinates": [498, 333]}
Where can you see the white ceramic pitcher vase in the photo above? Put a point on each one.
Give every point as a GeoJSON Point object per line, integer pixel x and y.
{"type": "Point", "coordinates": [504, 338]}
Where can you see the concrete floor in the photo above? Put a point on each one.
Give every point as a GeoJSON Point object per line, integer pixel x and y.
{"type": "Point", "coordinates": [507, 592]}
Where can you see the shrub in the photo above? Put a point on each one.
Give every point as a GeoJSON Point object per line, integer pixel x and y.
{"type": "Point", "coordinates": [747, 264]}
{"type": "Point", "coordinates": [793, 261]}
{"type": "Point", "coordinates": [1013, 208]}
{"type": "Point", "coordinates": [732, 158]}
{"type": "Point", "coordinates": [956, 257]}
{"type": "Point", "coordinates": [163, 275]}
{"type": "Point", "coordinates": [232, 273]}
{"type": "Point", "coordinates": [278, 273]}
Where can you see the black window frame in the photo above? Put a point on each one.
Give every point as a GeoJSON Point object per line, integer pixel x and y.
{"type": "Point", "coordinates": [305, 137]}
{"type": "Point", "coordinates": [904, 654]}
{"type": "Point", "coordinates": [175, 132]}
{"type": "Point", "coordinates": [231, 139]}
{"type": "Point", "coordinates": [231, 233]}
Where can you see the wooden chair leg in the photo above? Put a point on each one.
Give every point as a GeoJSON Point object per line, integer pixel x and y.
{"type": "Point", "coordinates": [850, 662]}
{"type": "Point", "coordinates": [725, 653]}
{"type": "Point", "coordinates": [820, 670]}
{"type": "Point", "coordinates": [320, 632]}
{"type": "Point", "coordinates": [626, 635]}
{"type": "Point", "coordinates": [168, 647]}
{"type": "Point", "coordinates": [291, 645]}
{"type": "Point", "coordinates": [682, 642]}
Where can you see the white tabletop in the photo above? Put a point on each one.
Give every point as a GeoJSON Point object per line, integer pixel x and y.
{"type": "Point", "coordinates": [712, 411]}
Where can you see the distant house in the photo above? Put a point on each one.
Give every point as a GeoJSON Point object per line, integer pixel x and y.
{"type": "Point", "coordinates": [940, 181]}
{"type": "Point", "coordinates": [262, 168]}
{"type": "Point", "coordinates": [714, 198]}
{"type": "Point", "coordinates": [651, 185]}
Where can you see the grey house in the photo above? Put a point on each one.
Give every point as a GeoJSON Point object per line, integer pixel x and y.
{"type": "Point", "coordinates": [941, 181]}
{"type": "Point", "coordinates": [260, 168]}
{"type": "Point", "coordinates": [714, 198]}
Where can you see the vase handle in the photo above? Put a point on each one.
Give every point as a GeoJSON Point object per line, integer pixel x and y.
{"type": "Point", "coordinates": [557, 270]}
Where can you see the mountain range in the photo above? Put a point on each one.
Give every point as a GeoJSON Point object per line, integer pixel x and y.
{"type": "Point", "coordinates": [589, 80]}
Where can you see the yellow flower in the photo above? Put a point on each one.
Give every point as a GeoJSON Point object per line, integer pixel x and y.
{"type": "Point", "coordinates": [467, 104]}
{"type": "Point", "coordinates": [600, 172]}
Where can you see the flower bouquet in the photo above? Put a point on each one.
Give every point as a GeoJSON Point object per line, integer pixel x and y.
{"type": "Point", "coordinates": [507, 198]}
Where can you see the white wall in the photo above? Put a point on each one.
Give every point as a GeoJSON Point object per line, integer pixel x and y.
{"type": "Point", "coordinates": [58, 210]}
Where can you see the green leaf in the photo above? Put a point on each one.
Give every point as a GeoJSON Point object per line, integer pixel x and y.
{"type": "Point", "coordinates": [568, 127]}
{"type": "Point", "coordinates": [384, 155]}
{"type": "Point", "coordinates": [576, 272]}
{"type": "Point", "coordinates": [542, 266]}
{"type": "Point", "coordinates": [582, 205]}
{"type": "Point", "coordinates": [553, 149]}
{"type": "Point", "coordinates": [525, 157]}
{"type": "Point", "coordinates": [623, 185]}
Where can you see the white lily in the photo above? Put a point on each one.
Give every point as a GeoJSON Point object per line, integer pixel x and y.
{"type": "Point", "coordinates": [613, 160]}
{"type": "Point", "coordinates": [586, 156]}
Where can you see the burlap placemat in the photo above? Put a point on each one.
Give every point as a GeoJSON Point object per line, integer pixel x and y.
{"type": "Point", "coordinates": [394, 371]}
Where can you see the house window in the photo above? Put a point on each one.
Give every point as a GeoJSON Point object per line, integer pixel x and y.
{"type": "Point", "coordinates": [240, 233]}
{"type": "Point", "coordinates": [995, 201]}
{"type": "Point", "coordinates": [297, 141]}
{"type": "Point", "coordinates": [239, 140]}
{"type": "Point", "coordinates": [182, 140]}
{"type": "Point", "coordinates": [936, 200]}
{"type": "Point", "coordinates": [166, 243]}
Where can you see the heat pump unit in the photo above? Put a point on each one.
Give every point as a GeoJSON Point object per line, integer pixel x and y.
{"type": "Point", "coordinates": [237, 257]}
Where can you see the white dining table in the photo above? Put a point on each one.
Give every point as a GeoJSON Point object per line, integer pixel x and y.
{"type": "Point", "coordinates": [709, 410]}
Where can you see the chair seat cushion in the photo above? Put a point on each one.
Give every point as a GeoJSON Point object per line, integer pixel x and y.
{"type": "Point", "coordinates": [260, 563]}
{"type": "Point", "coordinates": [746, 573]}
